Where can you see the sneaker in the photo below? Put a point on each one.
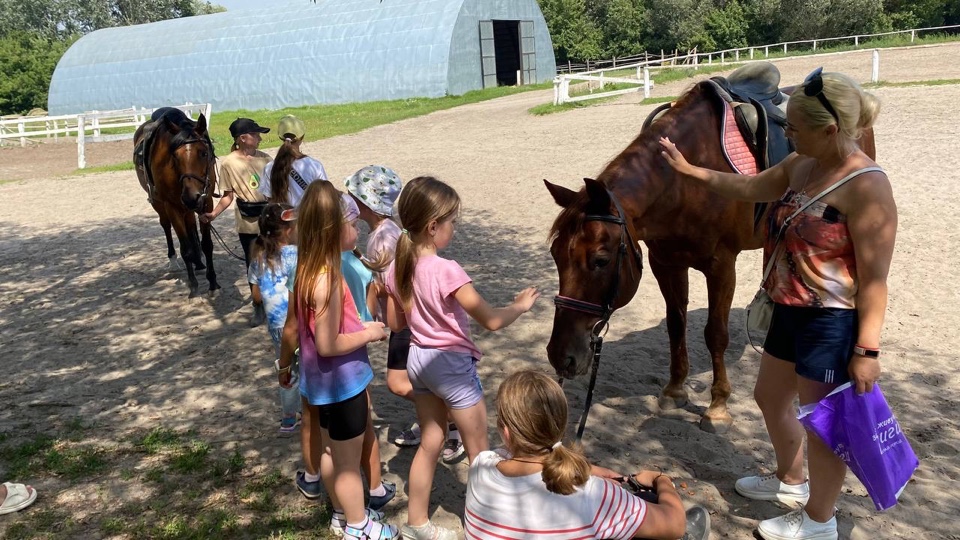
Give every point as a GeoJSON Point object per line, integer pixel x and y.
{"type": "Point", "coordinates": [770, 488]}
{"type": "Point", "coordinates": [797, 525]}
{"type": "Point", "coordinates": [698, 523]}
{"type": "Point", "coordinates": [379, 501]}
{"type": "Point", "coordinates": [310, 490]}
{"type": "Point", "coordinates": [453, 448]}
{"type": "Point", "coordinates": [409, 437]}
{"type": "Point", "coordinates": [289, 424]}
{"type": "Point", "coordinates": [427, 531]}
{"type": "Point", "coordinates": [338, 523]}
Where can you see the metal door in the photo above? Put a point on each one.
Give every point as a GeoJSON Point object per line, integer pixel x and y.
{"type": "Point", "coordinates": [488, 55]}
{"type": "Point", "coordinates": [528, 53]}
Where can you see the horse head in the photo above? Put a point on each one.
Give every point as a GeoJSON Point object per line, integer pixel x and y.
{"type": "Point", "coordinates": [599, 266]}
{"type": "Point", "coordinates": [193, 161]}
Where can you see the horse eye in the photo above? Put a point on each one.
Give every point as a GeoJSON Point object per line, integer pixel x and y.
{"type": "Point", "coordinates": [600, 263]}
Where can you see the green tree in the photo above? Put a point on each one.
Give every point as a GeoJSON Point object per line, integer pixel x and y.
{"type": "Point", "coordinates": [575, 36]}
{"type": "Point", "coordinates": [34, 34]}
{"type": "Point", "coordinates": [622, 24]}
{"type": "Point", "coordinates": [728, 26]}
{"type": "Point", "coordinates": [679, 24]}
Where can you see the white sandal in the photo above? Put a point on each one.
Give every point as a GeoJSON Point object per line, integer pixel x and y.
{"type": "Point", "coordinates": [18, 497]}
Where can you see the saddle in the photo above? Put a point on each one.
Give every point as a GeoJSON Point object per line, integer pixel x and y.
{"type": "Point", "coordinates": [143, 147]}
{"type": "Point", "coordinates": [752, 108]}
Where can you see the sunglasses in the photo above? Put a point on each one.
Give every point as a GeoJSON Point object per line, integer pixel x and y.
{"type": "Point", "coordinates": [813, 87]}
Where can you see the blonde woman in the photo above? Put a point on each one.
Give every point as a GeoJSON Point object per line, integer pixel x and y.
{"type": "Point", "coordinates": [829, 287]}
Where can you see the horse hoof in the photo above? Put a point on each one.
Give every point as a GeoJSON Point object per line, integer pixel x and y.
{"type": "Point", "coordinates": [718, 424]}
{"type": "Point", "coordinates": [194, 293]}
{"type": "Point", "coordinates": [668, 403]}
{"type": "Point", "coordinates": [175, 264]}
{"type": "Point", "coordinates": [199, 266]}
{"type": "Point", "coordinates": [213, 293]}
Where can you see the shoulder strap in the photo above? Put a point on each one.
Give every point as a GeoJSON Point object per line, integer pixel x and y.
{"type": "Point", "coordinates": [838, 183]}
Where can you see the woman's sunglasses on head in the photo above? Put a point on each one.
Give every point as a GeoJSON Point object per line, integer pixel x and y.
{"type": "Point", "coordinates": [813, 87]}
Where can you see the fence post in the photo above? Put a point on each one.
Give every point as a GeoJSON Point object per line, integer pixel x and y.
{"type": "Point", "coordinates": [856, 41]}
{"type": "Point", "coordinates": [751, 53]}
{"type": "Point", "coordinates": [875, 72]}
{"type": "Point", "coordinates": [208, 112]}
{"type": "Point", "coordinates": [601, 80]}
{"type": "Point", "coordinates": [646, 82]}
{"type": "Point", "coordinates": [21, 129]}
{"type": "Point", "coordinates": [766, 51]}
{"type": "Point", "coordinates": [564, 90]}
{"type": "Point", "coordinates": [737, 53]}
{"type": "Point", "coordinates": [614, 61]}
{"type": "Point", "coordinates": [556, 91]}
{"type": "Point", "coordinates": [81, 136]}
{"type": "Point", "coordinates": [722, 55]}
{"type": "Point", "coordinates": [710, 59]}
{"type": "Point", "coordinates": [913, 35]}
{"type": "Point", "coordinates": [696, 61]}
{"type": "Point", "coordinates": [784, 48]}
{"type": "Point", "coordinates": [95, 123]}
{"type": "Point", "coordinates": [814, 44]}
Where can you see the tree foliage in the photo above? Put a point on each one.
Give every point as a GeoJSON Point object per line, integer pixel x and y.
{"type": "Point", "coordinates": [607, 28]}
{"type": "Point", "coordinates": [34, 34]}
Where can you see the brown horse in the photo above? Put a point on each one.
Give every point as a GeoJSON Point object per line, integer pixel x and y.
{"type": "Point", "coordinates": [182, 175]}
{"type": "Point", "coordinates": [683, 225]}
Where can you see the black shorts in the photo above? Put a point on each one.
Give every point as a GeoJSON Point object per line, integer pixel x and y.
{"type": "Point", "coordinates": [346, 419]}
{"type": "Point", "coordinates": [819, 341]}
{"type": "Point", "coordinates": [399, 349]}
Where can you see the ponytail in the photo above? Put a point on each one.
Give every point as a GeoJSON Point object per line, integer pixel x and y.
{"type": "Point", "coordinates": [565, 469]}
{"type": "Point", "coordinates": [405, 263]}
{"type": "Point", "coordinates": [282, 165]}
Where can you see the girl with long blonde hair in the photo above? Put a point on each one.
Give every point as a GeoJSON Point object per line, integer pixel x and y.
{"type": "Point", "coordinates": [334, 367]}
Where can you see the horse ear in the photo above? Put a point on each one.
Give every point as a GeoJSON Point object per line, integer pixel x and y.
{"type": "Point", "coordinates": [202, 124]}
{"type": "Point", "coordinates": [598, 195]}
{"type": "Point", "coordinates": [171, 125]}
{"type": "Point", "coordinates": [561, 195]}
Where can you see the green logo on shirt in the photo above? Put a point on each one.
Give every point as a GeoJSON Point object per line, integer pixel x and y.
{"type": "Point", "coordinates": [254, 180]}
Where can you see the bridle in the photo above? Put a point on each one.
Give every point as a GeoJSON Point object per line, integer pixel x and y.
{"type": "Point", "coordinates": [605, 310]}
{"type": "Point", "coordinates": [205, 179]}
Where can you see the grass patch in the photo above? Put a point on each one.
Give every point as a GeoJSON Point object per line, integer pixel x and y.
{"type": "Point", "coordinates": [158, 440]}
{"type": "Point", "coordinates": [933, 82]}
{"type": "Point", "coordinates": [125, 166]}
{"type": "Point", "coordinates": [324, 121]}
{"type": "Point", "coordinates": [191, 459]}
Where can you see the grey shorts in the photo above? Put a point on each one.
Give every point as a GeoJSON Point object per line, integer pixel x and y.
{"type": "Point", "coordinates": [451, 376]}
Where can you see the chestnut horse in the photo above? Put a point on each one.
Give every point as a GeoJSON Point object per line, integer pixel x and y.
{"type": "Point", "coordinates": [180, 184]}
{"type": "Point", "coordinates": [639, 197]}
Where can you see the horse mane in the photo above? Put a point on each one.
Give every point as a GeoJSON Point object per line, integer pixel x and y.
{"type": "Point", "coordinates": [571, 217]}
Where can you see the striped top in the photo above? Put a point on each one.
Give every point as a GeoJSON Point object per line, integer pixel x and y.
{"type": "Point", "coordinates": [500, 507]}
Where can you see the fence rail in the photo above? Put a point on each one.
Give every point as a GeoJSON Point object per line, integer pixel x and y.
{"type": "Point", "coordinates": [101, 126]}
{"type": "Point", "coordinates": [726, 55]}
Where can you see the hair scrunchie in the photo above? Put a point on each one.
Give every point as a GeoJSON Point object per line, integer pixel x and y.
{"type": "Point", "coordinates": [556, 445]}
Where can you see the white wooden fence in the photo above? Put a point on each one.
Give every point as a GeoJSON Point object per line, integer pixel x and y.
{"type": "Point", "coordinates": [561, 83]}
{"type": "Point", "coordinates": [86, 127]}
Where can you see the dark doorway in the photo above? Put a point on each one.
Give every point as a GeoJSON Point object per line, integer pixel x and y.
{"type": "Point", "coordinates": [506, 39]}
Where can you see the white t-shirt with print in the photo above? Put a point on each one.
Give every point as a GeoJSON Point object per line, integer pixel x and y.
{"type": "Point", "coordinates": [500, 507]}
{"type": "Point", "coordinates": [309, 170]}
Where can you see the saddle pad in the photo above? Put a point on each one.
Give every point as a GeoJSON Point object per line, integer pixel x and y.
{"type": "Point", "coordinates": [735, 147]}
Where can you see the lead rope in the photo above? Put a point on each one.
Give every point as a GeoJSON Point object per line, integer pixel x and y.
{"type": "Point", "coordinates": [216, 233]}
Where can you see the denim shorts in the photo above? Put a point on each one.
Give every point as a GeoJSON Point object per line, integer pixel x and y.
{"type": "Point", "coordinates": [451, 376]}
{"type": "Point", "coordinates": [819, 341]}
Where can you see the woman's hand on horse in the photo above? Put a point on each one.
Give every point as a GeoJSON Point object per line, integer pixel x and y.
{"type": "Point", "coordinates": [864, 371]}
{"type": "Point", "coordinates": [375, 331]}
{"type": "Point", "coordinates": [525, 298]}
{"type": "Point", "coordinates": [674, 157]}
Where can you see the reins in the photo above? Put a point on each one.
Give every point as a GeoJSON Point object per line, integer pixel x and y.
{"type": "Point", "coordinates": [605, 310]}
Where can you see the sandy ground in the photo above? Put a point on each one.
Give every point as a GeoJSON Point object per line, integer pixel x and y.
{"type": "Point", "coordinates": [92, 324]}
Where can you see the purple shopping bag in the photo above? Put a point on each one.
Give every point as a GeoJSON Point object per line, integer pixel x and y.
{"type": "Point", "coordinates": [866, 435]}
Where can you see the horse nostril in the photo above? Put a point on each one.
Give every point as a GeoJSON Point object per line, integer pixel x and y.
{"type": "Point", "coordinates": [571, 364]}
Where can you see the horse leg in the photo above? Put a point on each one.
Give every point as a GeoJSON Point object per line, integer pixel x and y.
{"type": "Point", "coordinates": [675, 288]}
{"type": "Point", "coordinates": [188, 248]}
{"type": "Point", "coordinates": [206, 243]}
{"type": "Point", "coordinates": [192, 227]}
{"type": "Point", "coordinates": [171, 252]}
{"type": "Point", "coordinates": [721, 283]}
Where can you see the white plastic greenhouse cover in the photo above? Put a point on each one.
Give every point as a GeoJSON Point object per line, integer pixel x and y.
{"type": "Point", "coordinates": [292, 54]}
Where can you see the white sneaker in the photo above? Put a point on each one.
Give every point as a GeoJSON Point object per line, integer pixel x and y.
{"type": "Point", "coordinates": [338, 524]}
{"type": "Point", "coordinates": [797, 525]}
{"type": "Point", "coordinates": [770, 488]}
{"type": "Point", "coordinates": [427, 531]}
